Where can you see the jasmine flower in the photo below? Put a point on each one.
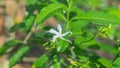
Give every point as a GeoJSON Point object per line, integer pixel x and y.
{"type": "Point", "coordinates": [58, 34]}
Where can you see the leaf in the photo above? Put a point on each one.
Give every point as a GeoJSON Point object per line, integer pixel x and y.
{"type": "Point", "coordinates": [83, 58]}
{"type": "Point", "coordinates": [84, 37]}
{"type": "Point", "coordinates": [56, 62]}
{"type": "Point", "coordinates": [108, 48]}
{"type": "Point", "coordinates": [40, 61]}
{"type": "Point", "coordinates": [114, 11]}
{"type": "Point", "coordinates": [17, 26]}
{"type": "Point", "coordinates": [104, 62]}
{"type": "Point", "coordinates": [62, 45]}
{"type": "Point", "coordinates": [56, 65]}
{"type": "Point", "coordinates": [94, 3]}
{"type": "Point", "coordinates": [116, 63]}
{"type": "Point", "coordinates": [17, 57]}
{"type": "Point", "coordinates": [29, 22]}
{"type": "Point", "coordinates": [77, 26]}
{"type": "Point", "coordinates": [98, 18]}
{"type": "Point", "coordinates": [48, 12]}
{"type": "Point", "coordinates": [76, 9]}
{"type": "Point", "coordinates": [30, 2]}
{"type": "Point", "coordinates": [8, 45]}
{"type": "Point", "coordinates": [53, 0]}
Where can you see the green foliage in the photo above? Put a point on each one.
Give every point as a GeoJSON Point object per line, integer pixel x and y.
{"type": "Point", "coordinates": [98, 17]}
{"type": "Point", "coordinates": [48, 11]}
{"type": "Point", "coordinates": [116, 63]}
{"type": "Point", "coordinates": [17, 57]}
{"type": "Point", "coordinates": [94, 28]}
{"type": "Point", "coordinates": [30, 2]}
{"type": "Point", "coordinates": [104, 62]}
{"type": "Point", "coordinates": [8, 45]}
{"type": "Point", "coordinates": [40, 61]}
{"type": "Point", "coordinates": [62, 45]}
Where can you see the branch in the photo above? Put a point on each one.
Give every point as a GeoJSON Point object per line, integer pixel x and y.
{"type": "Point", "coordinates": [29, 33]}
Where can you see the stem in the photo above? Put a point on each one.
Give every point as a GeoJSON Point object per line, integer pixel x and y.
{"type": "Point", "coordinates": [29, 33]}
{"type": "Point", "coordinates": [115, 58]}
{"type": "Point", "coordinates": [90, 38]}
{"type": "Point", "coordinates": [68, 15]}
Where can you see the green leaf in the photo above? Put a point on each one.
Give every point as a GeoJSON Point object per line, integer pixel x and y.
{"type": "Point", "coordinates": [48, 11]}
{"type": "Point", "coordinates": [40, 61]}
{"type": "Point", "coordinates": [29, 22]}
{"type": "Point", "coordinates": [83, 58]}
{"type": "Point", "coordinates": [17, 57]}
{"type": "Point", "coordinates": [17, 26]}
{"type": "Point", "coordinates": [8, 45]}
{"type": "Point", "coordinates": [56, 65]}
{"type": "Point", "coordinates": [116, 63]}
{"type": "Point", "coordinates": [104, 62]}
{"type": "Point", "coordinates": [93, 3]}
{"type": "Point", "coordinates": [98, 18]}
{"type": "Point", "coordinates": [62, 45]}
{"type": "Point", "coordinates": [56, 62]}
{"type": "Point", "coordinates": [30, 2]}
{"type": "Point", "coordinates": [113, 10]}
{"type": "Point", "coordinates": [77, 26]}
{"type": "Point", "coordinates": [84, 37]}
{"type": "Point", "coordinates": [53, 0]}
{"type": "Point", "coordinates": [108, 48]}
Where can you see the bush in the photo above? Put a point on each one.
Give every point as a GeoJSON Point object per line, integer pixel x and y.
{"type": "Point", "coordinates": [86, 36]}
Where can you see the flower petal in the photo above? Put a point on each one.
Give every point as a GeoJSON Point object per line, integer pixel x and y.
{"type": "Point", "coordinates": [59, 28]}
{"type": "Point", "coordinates": [55, 37]}
{"type": "Point", "coordinates": [69, 32]}
{"type": "Point", "coordinates": [53, 31]}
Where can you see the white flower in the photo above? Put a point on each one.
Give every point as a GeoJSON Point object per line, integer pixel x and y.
{"type": "Point", "coordinates": [58, 34]}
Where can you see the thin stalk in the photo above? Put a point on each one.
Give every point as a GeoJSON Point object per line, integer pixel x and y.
{"type": "Point", "coordinates": [90, 38]}
{"type": "Point", "coordinates": [29, 33]}
{"type": "Point", "coordinates": [68, 15]}
{"type": "Point", "coordinates": [115, 58]}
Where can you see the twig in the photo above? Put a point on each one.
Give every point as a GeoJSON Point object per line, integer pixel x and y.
{"type": "Point", "coordinates": [90, 38]}
{"type": "Point", "coordinates": [29, 33]}
{"type": "Point", "coordinates": [28, 59]}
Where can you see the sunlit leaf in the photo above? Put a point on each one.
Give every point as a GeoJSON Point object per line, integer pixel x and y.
{"type": "Point", "coordinates": [104, 62]}
{"type": "Point", "coordinates": [98, 18]}
{"type": "Point", "coordinates": [40, 61]}
{"type": "Point", "coordinates": [56, 65]}
{"type": "Point", "coordinates": [48, 11]}
{"type": "Point", "coordinates": [29, 22]}
{"type": "Point", "coordinates": [30, 2]}
{"type": "Point", "coordinates": [17, 57]}
{"type": "Point", "coordinates": [116, 63]}
{"type": "Point", "coordinates": [62, 45]}
{"type": "Point", "coordinates": [77, 26]}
